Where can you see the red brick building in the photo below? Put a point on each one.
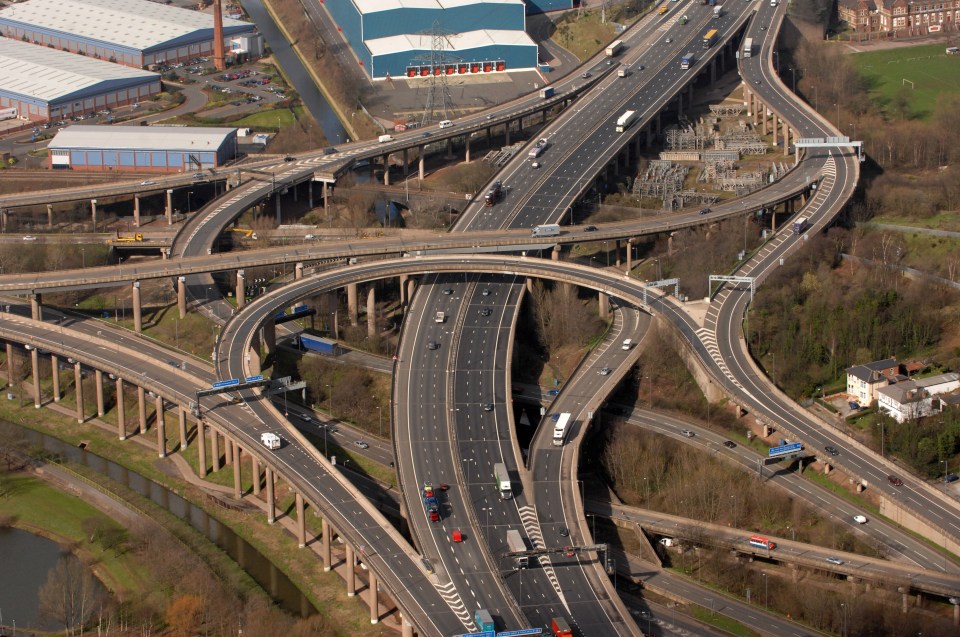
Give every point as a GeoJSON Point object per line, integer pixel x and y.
{"type": "Point", "coordinates": [911, 16]}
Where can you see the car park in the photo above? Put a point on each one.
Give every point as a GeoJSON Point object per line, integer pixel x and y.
{"type": "Point", "coordinates": [834, 560]}
{"type": "Point", "coordinates": [831, 450]}
{"type": "Point", "coordinates": [895, 481]}
{"type": "Point", "coordinates": [688, 433]}
{"type": "Point", "coordinates": [729, 444]}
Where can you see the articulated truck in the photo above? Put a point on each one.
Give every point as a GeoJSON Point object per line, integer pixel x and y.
{"type": "Point", "coordinates": [614, 48]}
{"type": "Point", "coordinates": [624, 121]}
{"type": "Point", "coordinates": [502, 476]}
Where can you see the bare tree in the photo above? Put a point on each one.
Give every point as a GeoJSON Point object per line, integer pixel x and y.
{"type": "Point", "coordinates": [70, 595]}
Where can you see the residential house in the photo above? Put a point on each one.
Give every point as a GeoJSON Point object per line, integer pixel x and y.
{"type": "Point", "coordinates": [863, 381]}
{"type": "Point", "coordinates": [913, 399]}
{"type": "Point", "coordinates": [885, 16]}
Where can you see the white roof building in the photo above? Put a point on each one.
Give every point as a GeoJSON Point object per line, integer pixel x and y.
{"type": "Point", "coordinates": [459, 41]}
{"type": "Point", "coordinates": [178, 138]}
{"type": "Point", "coordinates": [913, 399]}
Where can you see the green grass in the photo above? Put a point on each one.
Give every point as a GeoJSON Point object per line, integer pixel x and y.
{"type": "Point", "coordinates": [943, 221]}
{"type": "Point", "coordinates": [726, 624]}
{"type": "Point", "coordinates": [930, 69]}
{"type": "Point", "coordinates": [268, 119]}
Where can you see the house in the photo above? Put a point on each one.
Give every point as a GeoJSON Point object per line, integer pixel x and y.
{"type": "Point", "coordinates": [913, 399]}
{"type": "Point", "coordinates": [912, 16]}
{"type": "Point", "coordinates": [864, 380]}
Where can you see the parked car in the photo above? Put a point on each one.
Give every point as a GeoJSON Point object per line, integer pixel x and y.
{"type": "Point", "coordinates": [951, 477]}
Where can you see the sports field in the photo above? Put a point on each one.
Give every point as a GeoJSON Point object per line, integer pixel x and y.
{"type": "Point", "coordinates": [920, 72]}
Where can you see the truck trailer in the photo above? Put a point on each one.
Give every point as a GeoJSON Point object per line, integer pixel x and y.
{"type": "Point", "coordinates": [687, 61]}
{"type": "Point", "coordinates": [502, 476]}
{"type": "Point", "coordinates": [546, 92]}
{"type": "Point", "coordinates": [614, 48]}
{"type": "Point", "coordinates": [747, 47]}
{"type": "Point", "coordinates": [430, 503]}
{"type": "Point", "coordinates": [545, 230]}
{"type": "Point", "coordinates": [270, 440]}
{"type": "Point", "coordinates": [560, 429]}
{"type": "Point", "coordinates": [560, 627]}
{"type": "Point", "coordinates": [625, 120]}
{"type": "Point", "coordinates": [517, 544]}
{"type": "Point", "coordinates": [484, 621]}
{"type": "Point", "coordinates": [317, 344]}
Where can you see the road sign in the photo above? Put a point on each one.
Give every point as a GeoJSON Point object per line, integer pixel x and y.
{"type": "Point", "coordinates": [521, 633]}
{"type": "Point", "coordinates": [226, 383]}
{"type": "Point", "coordinates": [252, 379]}
{"type": "Point", "coordinates": [301, 308]}
{"type": "Point", "coordinates": [783, 450]}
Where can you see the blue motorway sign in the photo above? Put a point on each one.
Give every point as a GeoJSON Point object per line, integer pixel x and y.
{"type": "Point", "coordinates": [301, 308]}
{"type": "Point", "coordinates": [486, 634]}
{"type": "Point", "coordinates": [783, 450]}
{"type": "Point", "coordinates": [521, 633]}
{"type": "Point", "coordinates": [252, 379]}
{"type": "Point", "coordinates": [226, 383]}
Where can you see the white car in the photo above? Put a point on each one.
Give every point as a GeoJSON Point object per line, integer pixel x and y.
{"type": "Point", "coordinates": [688, 433]}
{"type": "Point", "coordinates": [860, 519]}
{"type": "Point", "coordinates": [29, 237]}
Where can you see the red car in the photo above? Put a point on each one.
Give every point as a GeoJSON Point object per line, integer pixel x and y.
{"type": "Point", "coordinates": [457, 536]}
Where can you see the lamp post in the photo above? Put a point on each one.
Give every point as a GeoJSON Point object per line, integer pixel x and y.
{"type": "Point", "coordinates": [793, 74]}
{"type": "Point", "coordinates": [330, 399]}
{"type": "Point", "coordinates": [83, 257]}
{"type": "Point", "coordinates": [380, 419]}
{"type": "Point", "coordinates": [189, 192]}
{"type": "Point", "coordinates": [881, 438]}
{"type": "Point", "coordinates": [766, 590]}
{"type": "Point", "coordinates": [843, 622]}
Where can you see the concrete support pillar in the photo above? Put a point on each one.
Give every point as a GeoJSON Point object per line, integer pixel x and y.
{"type": "Point", "coordinates": [168, 209]}
{"type": "Point", "coordinates": [670, 245]}
{"type": "Point", "coordinates": [372, 312]}
{"type": "Point", "coordinates": [403, 290]}
{"type": "Point", "coordinates": [421, 163]}
{"type": "Point", "coordinates": [467, 145]}
{"type": "Point", "coordinates": [406, 162]}
{"type": "Point", "coordinates": [786, 139]}
{"type": "Point", "coordinates": [271, 501]}
{"type": "Point", "coordinates": [649, 130]}
{"type": "Point", "coordinates": [904, 601]}
{"type": "Point", "coordinates": [121, 414]}
{"type": "Point", "coordinates": [310, 194]}
{"type": "Point", "coordinates": [386, 170]}
{"type": "Point", "coordinates": [956, 614]}
{"type": "Point", "coordinates": [276, 206]}
{"type": "Point", "coordinates": [629, 255]}
{"type": "Point", "coordinates": [137, 312]}
{"type": "Point", "coordinates": [373, 600]}
{"type": "Point", "coordinates": [49, 216]}
{"type": "Point", "coordinates": [506, 134]}
{"type": "Point", "coordinates": [351, 573]}
{"type": "Point", "coordinates": [93, 213]}
{"type": "Point", "coordinates": [54, 374]}
{"type": "Point", "coordinates": [214, 449]}
{"type": "Point", "coordinates": [411, 288]}
{"type": "Point", "coordinates": [227, 451]}
{"type": "Point", "coordinates": [10, 364]}
{"type": "Point", "coordinates": [301, 522]}
{"type": "Point", "coordinates": [406, 628]}
{"type": "Point", "coordinates": [657, 120]}
{"type": "Point", "coordinates": [528, 282]}
{"type": "Point", "coordinates": [36, 307]}
{"type": "Point", "coordinates": [617, 253]}
{"type": "Point", "coordinates": [98, 379]}
{"type": "Point", "coordinates": [237, 466]}
{"type": "Point", "coordinates": [182, 296]}
{"type": "Point", "coordinates": [270, 336]}
{"type": "Point", "coordinates": [826, 468]}
{"type": "Point", "coordinates": [142, 408]}
{"type": "Point", "coordinates": [241, 290]}
{"type": "Point", "coordinates": [136, 210]}
{"type": "Point", "coordinates": [182, 418]}
{"type": "Point", "coordinates": [774, 125]}
{"type": "Point", "coordinates": [78, 389]}
{"type": "Point", "coordinates": [297, 271]}
{"type": "Point", "coordinates": [680, 104]}
{"type": "Point", "coordinates": [202, 447]}
{"type": "Point", "coordinates": [161, 425]}
{"type": "Point", "coordinates": [326, 529]}
{"type": "Point", "coordinates": [604, 302]}
{"type": "Point", "coordinates": [255, 472]}
{"type": "Point", "coordinates": [35, 369]}
{"type": "Point", "coordinates": [352, 308]}
{"type": "Point", "coordinates": [713, 72]}
{"type": "Point", "coordinates": [326, 200]}
{"type": "Point", "coordinates": [555, 253]}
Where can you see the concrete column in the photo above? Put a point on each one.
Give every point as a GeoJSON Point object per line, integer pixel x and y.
{"type": "Point", "coordinates": [649, 130]}
{"type": "Point", "coordinates": [4, 215]}
{"type": "Point", "coordinates": [528, 282]}
{"type": "Point", "coordinates": [136, 210]}
{"type": "Point", "coordinates": [421, 168]}
{"type": "Point", "coordinates": [298, 271]}
{"type": "Point", "coordinates": [406, 628]}
{"type": "Point", "coordinates": [54, 374]}
{"type": "Point", "coordinates": [372, 312]}
{"type": "Point", "coordinates": [351, 571]}
{"type": "Point", "coordinates": [10, 364]}
{"type": "Point", "coordinates": [310, 194]}
{"type": "Point", "coordinates": [36, 307]}
{"type": "Point", "coordinates": [629, 255]}
{"type": "Point", "coordinates": [467, 144]}
{"type": "Point", "coordinates": [411, 288]}
{"type": "Point", "coordinates": [373, 601]}
{"type": "Point", "coordinates": [326, 529]}
{"type": "Point", "coordinates": [137, 315]}
{"type": "Point", "coordinates": [604, 302]}
{"type": "Point", "coordinates": [161, 425]}
{"type": "Point", "coordinates": [670, 245]}
{"type": "Point", "coordinates": [255, 471]}
{"type": "Point", "coordinates": [386, 170]}
{"type": "Point", "coordinates": [270, 336]}
{"type": "Point", "coordinates": [98, 378]}
{"type": "Point", "coordinates": [786, 139]}
{"type": "Point", "coordinates": [93, 213]}
{"type": "Point", "coordinates": [78, 390]}
{"type": "Point", "coordinates": [49, 216]}
{"type": "Point", "coordinates": [202, 447]}
{"type": "Point", "coordinates": [904, 601]}
{"type": "Point", "coordinates": [555, 253]}
{"type": "Point", "coordinates": [352, 308]}
{"type": "Point", "coordinates": [617, 253]}
{"type": "Point", "coordinates": [826, 468]}
{"type": "Point", "coordinates": [680, 104]}
{"type": "Point", "coordinates": [35, 369]}
{"type": "Point", "coordinates": [121, 415]}
{"type": "Point", "coordinates": [227, 451]}
{"type": "Point", "coordinates": [237, 487]}
{"type": "Point", "coordinates": [214, 449]}
{"type": "Point", "coordinates": [271, 502]}
{"type": "Point", "coordinates": [241, 289]}
{"type": "Point", "coordinates": [506, 134]}
{"type": "Point", "coordinates": [326, 200]}
{"type": "Point", "coordinates": [403, 290]}
{"type": "Point", "coordinates": [657, 120]}
{"type": "Point", "coordinates": [301, 522]}
{"type": "Point", "coordinates": [169, 207]}
{"type": "Point", "coordinates": [182, 417]}
{"type": "Point", "coordinates": [276, 205]}
{"type": "Point", "coordinates": [142, 408]}
{"type": "Point", "coordinates": [182, 296]}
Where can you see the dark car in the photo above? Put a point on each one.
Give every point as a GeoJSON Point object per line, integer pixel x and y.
{"type": "Point", "coordinates": [895, 481]}
{"type": "Point", "coordinates": [433, 345]}
{"type": "Point", "coordinates": [553, 392]}
{"type": "Point", "coordinates": [951, 477]}
{"type": "Point", "coordinates": [729, 444]}
{"type": "Point", "coordinates": [486, 311]}
{"type": "Point", "coordinates": [555, 417]}
{"type": "Point", "coordinates": [289, 158]}
{"type": "Point", "coordinates": [590, 229]}
{"type": "Point", "coordinates": [564, 531]}
{"type": "Point", "coordinates": [586, 74]}
{"type": "Point", "coordinates": [832, 450]}
{"type": "Point", "coordinates": [448, 291]}
{"type": "Point", "coordinates": [488, 407]}
{"type": "Point", "coordinates": [854, 406]}
{"type": "Point", "coordinates": [704, 211]}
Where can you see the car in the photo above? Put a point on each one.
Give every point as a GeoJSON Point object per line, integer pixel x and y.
{"type": "Point", "coordinates": [444, 486]}
{"type": "Point", "coordinates": [605, 371]}
{"type": "Point", "coordinates": [489, 116]}
{"type": "Point", "coordinates": [609, 62]}
{"type": "Point", "coordinates": [951, 477]}
{"type": "Point", "coordinates": [640, 67]}
{"type": "Point", "coordinates": [448, 291]}
{"type": "Point", "coordinates": [309, 237]}
{"type": "Point", "coordinates": [485, 292]}
{"type": "Point", "coordinates": [198, 175]}
{"type": "Point", "coordinates": [147, 183]}
{"type": "Point", "coordinates": [895, 481]}
{"type": "Point", "coordinates": [29, 237]}
{"type": "Point", "coordinates": [831, 450]}
{"type": "Point", "coordinates": [763, 27]}
{"type": "Point", "coordinates": [433, 345]}
{"type": "Point", "coordinates": [757, 82]}
{"type": "Point", "coordinates": [854, 406]}
{"type": "Point", "coordinates": [834, 560]}
{"type": "Point", "coordinates": [569, 550]}
{"type": "Point", "coordinates": [289, 158]}
{"type": "Point", "coordinates": [860, 519]}
{"type": "Point", "coordinates": [535, 164]}
{"type": "Point", "coordinates": [553, 392]}
{"type": "Point", "coordinates": [555, 417]}
{"type": "Point", "coordinates": [586, 74]}
{"type": "Point", "coordinates": [590, 229]}
{"type": "Point", "coordinates": [486, 311]}
{"type": "Point", "coordinates": [456, 536]}
{"type": "Point", "coordinates": [306, 418]}
{"type": "Point", "coordinates": [688, 433]}
{"type": "Point", "coordinates": [173, 364]}
{"type": "Point", "coordinates": [729, 444]}
{"type": "Point", "coordinates": [564, 531]}
{"type": "Point", "coordinates": [669, 40]}
{"type": "Point", "coordinates": [705, 211]}
{"type": "Point", "coordinates": [361, 444]}
{"type": "Point", "coordinates": [488, 407]}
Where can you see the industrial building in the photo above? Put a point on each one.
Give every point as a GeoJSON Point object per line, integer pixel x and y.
{"type": "Point", "coordinates": [46, 84]}
{"type": "Point", "coordinates": [161, 149]}
{"type": "Point", "coordinates": [394, 38]}
{"type": "Point", "coordinates": [135, 33]}
{"type": "Point", "coordinates": [543, 6]}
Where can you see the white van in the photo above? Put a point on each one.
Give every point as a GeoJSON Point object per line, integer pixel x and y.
{"type": "Point", "coordinates": [440, 318]}
{"type": "Point", "coordinates": [446, 123]}
{"type": "Point", "coordinates": [627, 343]}
{"type": "Point", "coordinates": [385, 138]}
{"type": "Point", "coordinates": [270, 440]}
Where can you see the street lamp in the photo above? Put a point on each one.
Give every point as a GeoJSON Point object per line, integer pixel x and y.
{"type": "Point", "coordinates": [380, 419]}
{"type": "Point", "coordinates": [83, 257]}
{"type": "Point", "coordinates": [793, 73]}
{"type": "Point", "coordinates": [766, 590]}
{"type": "Point", "coordinates": [330, 399]}
{"type": "Point", "coordinates": [881, 438]}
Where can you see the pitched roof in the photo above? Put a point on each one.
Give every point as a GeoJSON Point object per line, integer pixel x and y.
{"type": "Point", "coordinates": [867, 371]}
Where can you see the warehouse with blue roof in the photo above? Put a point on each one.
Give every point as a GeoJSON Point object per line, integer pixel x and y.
{"type": "Point", "coordinates": [395, 38]}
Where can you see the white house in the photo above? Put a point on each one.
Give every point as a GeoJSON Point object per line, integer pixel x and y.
{"type": "Point", "coordinates": [915, 398]}
{"type": "Point", "coordinates": [863, 381]}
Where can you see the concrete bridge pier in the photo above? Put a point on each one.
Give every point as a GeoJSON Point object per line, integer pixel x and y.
{"type": "Point", "coordinates": [555, 253]}
{"type": "Point", "coordinates": [98, 380]}
{"type": "Point", "coordinates": [136, 210]}
{"type": "Point", "coordinates": [506, 133]}
{"type": "Point", "coordinates": [713, 71]}
{"type": "Point", "coordinates": [182, 296]}
{"type": "Point", "coordinates": [386, 170]}
{"type": "Point", "coordinates": [78, 390]}
{"type": "Point", "coordinates": [182, 417]}
{"type": "Point", "coordinates": [310, 193]}
{"type": "Point", "coordinates": [142, 408]}
{"type": "Point", "coordinates": [351, 573]}
{"type": "Point", "coordinates": [604, 303]}
{"type": "Point", "coordinates": [466, 143]}
{"type": "Point", "coordinates": [325, 194]}
{"type": "Point", "coordinates": [227, 450]}
{"type": "Point", "coordinates": [216, 460]}
{"type": "Point", "coordinates": [93, 213]}
{"type": "Point", "coordinates": [406, 162]}
{"type": "Point", "coordinates": [255, 472]}
{"type": "Point", "coordinates": [616, 252]}
{"type": "Point", "coordinates": [270, 337]}
{"type": "Point", "coordinates": [774, 124]}
{"type": "Point", "coordinates": [36, 307]}
{"type": "Point", "coordinates": [271, 501]}
{"type": "Point", "coordinates": [680, 104]}
{"type": "Point", "coordinates": [54, 374]}
{"type": "Point", "coordinates": [35, 369]}
{"type": "Point", "coordinates": [352, 307]}
{"type": "Point", "coordinates": [301, 522]}
{"type": "Point", "coordinates": [403, 290]}
{"type": "Point", "coordinates": [670, 245]}
{"type": "Point", "coordinates": [411, 288]}
{"type": "Point", "coordinates": [372, 312]}
{"type": "Point", "coordinates": [201, 448]}
{"type": "Point", "coordinates": [49, 216]}
{"type": "Point", "coordinates": [253, 356]}
{"type": "Point", "coordinates": [657, 121]}
{"type": "Point", "coordinates": [168, 208]}
{"type": "Point", "coordinates": [373, 599]}
{"type": "Point", "coordinates": [161, 427]}
{"type": "Point", "coordinates": [406, 628]}
{"type": "Point", "coordinates": [137, 312]}
{"type": "Point", "coordinates": [237, 486]}
{"type": "Point", "coordinates": [956, 614]}
{"type": "Point", "coordinates": [10, 364]}
{"type": "Point", "coordinates": [786, 139]}
{"type": "Point", "coordinates": [121, 415]}
{"type": "Point", "coordinates": [276, 206]}
{"type": "Point", "coordinates": [241, 289]}
{"type": "Point", "coordinates": [904, 599]}
{"type": "Point", "coordinates": [325, 529]}
{"type": "Point", "coordinates": [421, 162]}
{"type": "Point", "coordinates": [629, 256]}
{"type": "Point", "coordinates": [298, 271]}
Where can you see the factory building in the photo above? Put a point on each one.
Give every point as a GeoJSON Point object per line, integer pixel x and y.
{"type": "Point", "coordinates": [160, 149]}
{"type": "Point", "coordinates": [393, 38]}
{"type": "Point", "coordinates": [543, 6]}
{"type": "Point", "coordinates": [135, 33]}
{"type": "Point", "coordinates": [45, 84]}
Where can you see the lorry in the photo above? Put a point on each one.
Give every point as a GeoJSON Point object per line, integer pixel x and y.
{"type": "Point", "coordinates": [623, 71]}
{"type": "Point", "coordinates": [686, 61]}
{"type": "Point", "coordinates": [440, 317]}
{"type": "Point", "coordinates": [546, 91]}
{"type": "Point", "coordinates": [502, 476]}
{"type": "Point", "coordinates": [717, 11]}
{"type": "Point", "coordinates": [545, 230]}
{"type": "Point", "coordinates": [430, 503]}
{"type": "Point", "coordinates": [668, 541]}
{"type": "Point", "coordinates": [8, 113]}
{"type": "Point", "coordinates": [683, 20]}
{"type": "Point", "coordinates": [383, 139]}
{"type": "Point", "coordinates": [270, 440]}
{"type": "Point", "coordinates": [318, 344]}
{"type": "Point", "coordinates": [538, 148]}
{"type": "Point", "coordinates": [624, 121]}
{"type": "Point", "coordinates": [484, 621]}
{"type": "Point", "coordinates": [493, 195]}
{"type": "Point", "coordinates": [800, 225]}
{"type": "Point", "coordinates": [560, 429]}
{"type": "Point", "coordinates": [747, 47]}
{"type": "Point", "coordinates": [614, 48]}
{"type": "Point", "coordinates": [517, 544]}
{"type": "Point", "coordinates": [137, 237]}
{"type": "Point", "coordinates": [560, 627]}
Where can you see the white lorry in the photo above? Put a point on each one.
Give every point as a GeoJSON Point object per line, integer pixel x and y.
{"type": "Point", "coordinates": [440, 317]}
{"type": "Point", "coordinates": [546, 230]}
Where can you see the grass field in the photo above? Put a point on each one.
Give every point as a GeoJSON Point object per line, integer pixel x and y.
{"type": "Point", "coordinates": [928, 67]}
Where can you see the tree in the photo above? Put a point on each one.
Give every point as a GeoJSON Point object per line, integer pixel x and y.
{"type": "Point", "coordinates": [70, 594]}
{"type": "Point", "coordinates": [184, 614]}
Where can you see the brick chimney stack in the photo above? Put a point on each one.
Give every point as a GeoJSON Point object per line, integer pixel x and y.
{"type": "Point", "coordinates": [218, 62]}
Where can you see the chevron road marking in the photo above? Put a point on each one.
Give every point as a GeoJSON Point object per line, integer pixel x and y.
{"type": "Point", "coordinates": [528, 515]}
